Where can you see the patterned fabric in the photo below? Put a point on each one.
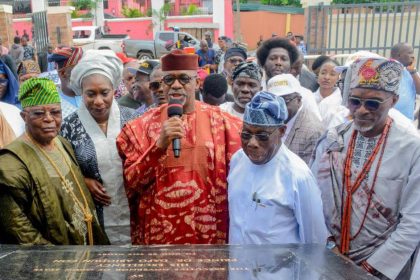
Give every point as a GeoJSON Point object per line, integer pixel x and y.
{"type": "Point", "coordinates": [248, 70]}
{"type": "Point", "coordinates": [73, 130]}
{"type": "Point", "coordinates": [66, 57]}
{"type": "Point", "coordinates": [28, 52]}
{"type": "Point", "coordinates": [103, 62]}
{"type": "Point", "coordinates": [391, 227]}
{"type": "Point", "coordinates": [39, 211]}
{"type": "Point", "coordinates": [179, 200]}
{"type": "Point", "coordinates": [121, 91]}
{"type": "Point", "coordinates": [38, 91]}
{"type": "Point", "coordinates": [376, 73]}
{"type": "Point", "coordinates": [305, 133]}
{"type": "Point", "coordinates": [28, 67]}
{"type": "Point", "coordinates": [265, 109]}
{"type": "Point", "coordinates": [362, 150]}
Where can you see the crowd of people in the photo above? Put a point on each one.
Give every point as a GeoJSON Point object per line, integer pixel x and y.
{"type": "Point", "coordinates": [214, 148]}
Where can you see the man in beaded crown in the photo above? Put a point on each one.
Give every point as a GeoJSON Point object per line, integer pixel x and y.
{"type": "Point", "coordinates": [368, 171]}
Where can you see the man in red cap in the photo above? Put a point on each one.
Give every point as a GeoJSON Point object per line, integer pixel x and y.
{"type": "Point", "coordinates": [179, 200]}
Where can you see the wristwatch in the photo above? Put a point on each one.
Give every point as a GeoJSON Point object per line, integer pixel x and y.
{"type": "Point", "coordinates": [413, 71]}
{"type": "Point", "coordinates": [330, 245]}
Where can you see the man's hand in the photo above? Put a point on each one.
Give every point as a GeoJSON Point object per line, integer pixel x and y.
{"type": "Point", "coordinates": [336, 251]}
{"type": "Point", "coordinates": [172, 128]}
{"type": "Point", "coordinates": [412, 67]}
{"type": "Point", "coordinates": [98, 192]}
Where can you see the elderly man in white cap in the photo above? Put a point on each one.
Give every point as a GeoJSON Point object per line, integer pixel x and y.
{"type": "Point", "coordinates": [273, 196]}
{"type": "Point", "coordinates": [303, 126]}
{"type": "Point", "coordinates": [368, 171]}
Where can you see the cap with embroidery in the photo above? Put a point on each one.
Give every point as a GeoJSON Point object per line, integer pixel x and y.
{"type": "Point", "coordinates": [265, 109]}
{"type": "Point", "coordinates": [283, 84]}
{"type": "Point", "coordinates": [376, 73]}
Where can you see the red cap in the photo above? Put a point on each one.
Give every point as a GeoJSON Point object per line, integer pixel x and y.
{"type": "Point", "coordinates": [179, 60]}
{"type": "Point", "coordinates": [124, 59]}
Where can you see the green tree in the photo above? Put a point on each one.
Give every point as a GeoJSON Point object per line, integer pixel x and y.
{"type": "Point", "coordinates": [191, 10]}
{"type": "Point", "coordinates": [131, 13]}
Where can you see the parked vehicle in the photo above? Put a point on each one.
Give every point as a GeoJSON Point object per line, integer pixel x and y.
{"type": "Point", "coordinates": [148, 49]}
{"type": "Point", "coordinates": [91, 37]}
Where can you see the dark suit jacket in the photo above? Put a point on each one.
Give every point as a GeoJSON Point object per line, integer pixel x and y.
{"type": "Point", "coordinates": [308, 80]}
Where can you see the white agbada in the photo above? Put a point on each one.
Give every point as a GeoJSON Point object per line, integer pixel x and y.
{"type": "Point", "coordinates": [329, 105]}
{"type": "Point", "coordinates": [228, 107]}
{"type": "Point", "coordinates": [274, 203]}
{"type": "Point", "coordinates": [116, 215]}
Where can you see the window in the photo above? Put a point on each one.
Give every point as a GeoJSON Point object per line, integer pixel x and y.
{"type": "Point", "coordinates": [22, 7]}
{"type": "Point", "coordinates": [106, 4]}
{"type": "Point", "coordinates": [166, 36]}
{"type": "Point", "coordinates": [81, 34]}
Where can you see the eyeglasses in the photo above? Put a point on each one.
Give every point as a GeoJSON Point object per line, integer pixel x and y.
{"type": "Point", "coordinates": [263, 137]}
{"type": "Point", "coordinates": [369, 104]}
{"type": "Point", "coordinates": [4, 82]}
{"type": "Point", "coordinates": [287, 101]}
{"type": "Point", "coordinates": [41, 114]}
{"type": "Point", "coordinates": [183, 79]}
{"type": "Point", "coordinates": [154, 85]}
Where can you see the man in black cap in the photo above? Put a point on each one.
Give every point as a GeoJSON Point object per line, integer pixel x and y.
{"type": "Point", "coordinates": [233, 57]}
{"type": "Point", "coordinates": [141, 98]}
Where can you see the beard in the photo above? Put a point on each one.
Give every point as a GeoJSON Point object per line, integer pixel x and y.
{"type": "Point", "coordinates": [363, 128]}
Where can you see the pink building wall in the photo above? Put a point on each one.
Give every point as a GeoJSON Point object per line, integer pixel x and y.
{"type": "Point", "coordinates": [228, 19]}
{"type": "Point", "coordinates": [135, 28]}
{"type": "Point", "coordinates": [22, 24]}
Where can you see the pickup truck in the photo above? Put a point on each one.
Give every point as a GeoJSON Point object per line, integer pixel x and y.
{"type": "Point", "coordinates": [91, 37]}
{"type": "Point", "coordinates": [149, 49]}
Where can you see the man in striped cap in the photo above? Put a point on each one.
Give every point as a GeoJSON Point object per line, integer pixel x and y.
{"type": "Point", "coordinates": [43, 196]}
{"type": "Point", "coordinates": [65, 59]}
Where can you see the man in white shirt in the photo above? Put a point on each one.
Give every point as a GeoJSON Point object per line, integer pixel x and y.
{"type": "Point", "coordinates": [273, 196]}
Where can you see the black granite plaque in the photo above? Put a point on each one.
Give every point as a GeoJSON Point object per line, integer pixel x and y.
{"type": "Point", "coordinates": [289, 262]}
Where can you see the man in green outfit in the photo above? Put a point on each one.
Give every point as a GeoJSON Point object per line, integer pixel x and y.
{"type": "Point", "coordinates": [43, 197]}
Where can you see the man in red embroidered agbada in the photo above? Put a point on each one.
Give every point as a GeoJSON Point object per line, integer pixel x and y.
{"type": "Point", "coordinates": [179, 200]}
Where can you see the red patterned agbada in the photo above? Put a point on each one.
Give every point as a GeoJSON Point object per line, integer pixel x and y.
{"type": "Point", "coordinates": [179, 200]}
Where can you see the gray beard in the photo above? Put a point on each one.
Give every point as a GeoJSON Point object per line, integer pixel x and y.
{"type": "Point", "coordinates": [362, 128]}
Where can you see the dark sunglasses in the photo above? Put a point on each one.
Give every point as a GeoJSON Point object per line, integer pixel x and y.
{"type": "Point", "coordinates": [369, 104]}
{"type": "Point", "coordinates": [4, 82]}
{"type": "Point", "coordinates": [154, 85]}
{"type": "Point", "coordinates": [263, 137]}
{"type": "Point", "coordinates": [288, 100]}
{"type": "Point", "coordinates": [183, 79]}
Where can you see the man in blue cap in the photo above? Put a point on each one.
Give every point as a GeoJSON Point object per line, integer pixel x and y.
{"type": "Point", "coordinates": [273, 196]}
